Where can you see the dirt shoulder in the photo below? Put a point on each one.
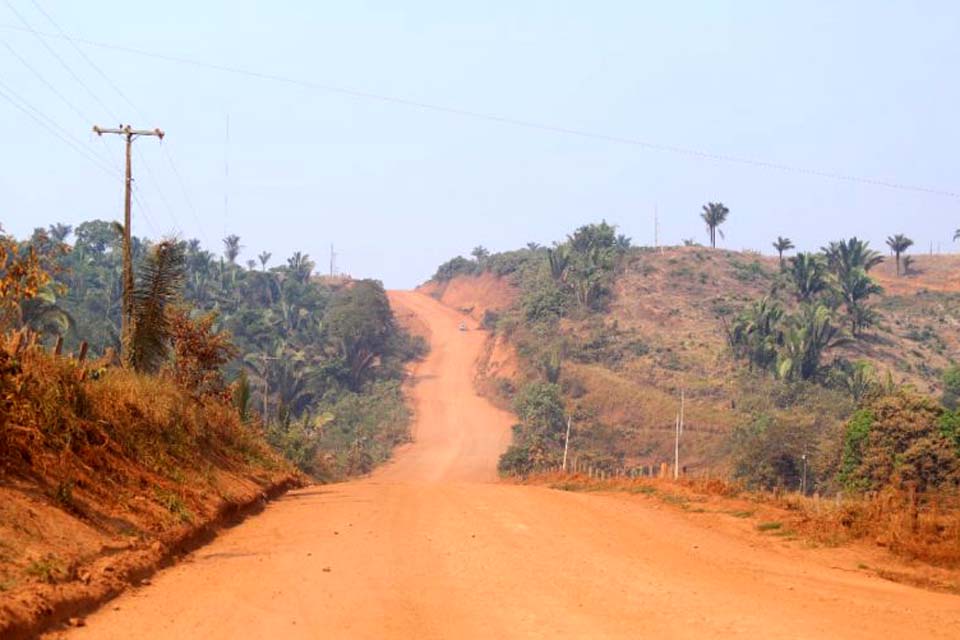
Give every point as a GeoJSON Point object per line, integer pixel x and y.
{"type": "Point", "coordinates": [789, 523]}
{"type": "Point", "coordinates": [77, 568]}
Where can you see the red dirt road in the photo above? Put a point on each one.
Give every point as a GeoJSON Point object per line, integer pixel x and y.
{"type": "Point", "coordinates": [431, 546]}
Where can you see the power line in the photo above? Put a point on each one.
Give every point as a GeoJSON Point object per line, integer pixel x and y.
{"type": "Point", "coordinates": [83, 55]}
{"type": "Point", "coordinates": [50, 86]}
{"type": "Point", "coordinates": [517, 122]}
{"type": "Point", "coordinates": [144, 209]}
{"type": "Point", "coordinates": [156, 186]}
{"type": "Point", "coordinates": [109, 81]}
{"type": "Point", "coordinates": [62, 62]}
{"type": "Point", "coordinates": [113, 85]}
{"type": "Point", "coordinates": [52, 127]}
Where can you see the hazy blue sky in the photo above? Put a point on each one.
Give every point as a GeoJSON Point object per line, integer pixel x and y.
{"type": "Point", "coordinates": [863, 88]}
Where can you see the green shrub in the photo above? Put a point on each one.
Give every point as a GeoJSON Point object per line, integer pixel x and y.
{"type": "Point", "coordinates": [951, 387]}
{"type": "Point", "coordinates": [900, 440]}
{"type": "Point", "coordinates": [455, 267]}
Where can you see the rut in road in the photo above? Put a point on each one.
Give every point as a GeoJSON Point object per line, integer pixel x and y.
{"type": "Point", "coordinates": [431, 546]}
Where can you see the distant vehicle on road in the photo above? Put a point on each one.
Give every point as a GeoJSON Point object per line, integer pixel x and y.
{"type": "Point", "coordinates": [463, 326]}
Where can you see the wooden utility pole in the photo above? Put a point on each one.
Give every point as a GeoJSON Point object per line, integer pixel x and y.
{"type": "Point", "coordinates": [266, 387]}
{"type": "Point", "coordinates": [566, 444]}
{"type": "Point", "coordinates": [676, 442]}
{"type": "Point", "coordinates": [126, 326]}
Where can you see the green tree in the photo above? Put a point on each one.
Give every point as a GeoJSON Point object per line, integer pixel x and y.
{"type": "Point", "coordinates": [899, 439]}
{"type": "Point", "coordinates": [850, 261]}
{"type": "Point", "coordinates": [898, 245]}
{"type": "Point", "coordinates": [59, 232]}
{"type": "Point", "coordinates": [845, 256]}
{"type": "Point", "coordinates": [782, 244]}
{"type": "Point", "coordinates": [264, 258]}
{"type": "Point", "coordinates": [360, 324]}
{"type": "Point", "coordinates": [714, 214]}
{"type": "Point", "coordinates": [855, 288]}
{"type": "Point", "coordinates": [480, 254]}
{"type": "Point", "coordinates": [756, 333]}
{"type": "Point", "coordinates": [807, 336]}
{"type": "Point", "coordinates": [232, 248]}
{"type": "Point", "coordinates": [158, 287]}
{"type": "Point", "coordinates": [300, 266]}
{"type": "Point", "coordinates": [809, 275]}
{"type": "Point", "coordinates": [951, 387]}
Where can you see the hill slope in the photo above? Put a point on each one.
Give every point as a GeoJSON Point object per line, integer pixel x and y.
{"type": "Point", "coordinates": [664, 327]}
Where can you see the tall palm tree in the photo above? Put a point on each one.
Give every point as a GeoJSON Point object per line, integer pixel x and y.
{"type": "Point", "coordinates": [782, 244]}
{"type": "Point", "coordinates": [899, 244]}
{"type": "Point", "coordinates": [300, 266]}
{"type": "Point", "coordinates": [714, 214]}
{"type": "Point", "coordinates": [845, 256]}
{"type": "Point", "coordinates": [232, 247]}
{"type": "Point", "coordinates": [60, 231]}
{"type": "Point", "coordinates": [264, 258]}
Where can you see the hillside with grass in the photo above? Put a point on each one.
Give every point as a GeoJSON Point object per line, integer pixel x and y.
{"type": "Point", "coordinates": [610, 335]}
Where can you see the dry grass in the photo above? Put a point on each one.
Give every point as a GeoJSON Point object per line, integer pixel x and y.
{"type": "Point", "coordinates": [91, 454]}
{"type": "Point", "coordinates": [925, 529]}
{"type": "Point", "coordinates": [58, 406]}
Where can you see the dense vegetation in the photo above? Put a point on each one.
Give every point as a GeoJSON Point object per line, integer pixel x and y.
{"type": "Point", "coordinates": [318, 362]}
{"type": "Point", "coordinates": [796, 410]}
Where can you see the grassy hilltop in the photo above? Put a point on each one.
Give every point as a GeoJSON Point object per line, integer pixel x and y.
{"type": "Point", "coordinates": [773, 360]}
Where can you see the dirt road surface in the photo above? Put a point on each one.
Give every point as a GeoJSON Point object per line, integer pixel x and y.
{"type": "Point", "coordinates": [431, 546]}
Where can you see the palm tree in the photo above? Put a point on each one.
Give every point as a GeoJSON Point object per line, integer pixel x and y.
{"type": "Point", "coordinates": [301, 266]}
{"type": "Point", "coordinates": [558, 259]}
{"type": "Point", "coordinates": [811, 333]}
{"type": "Point", "coordinates": [899, 244]}
{"type": "Point", "coordinates": [264, 258]}
{"type": "Point", "coordinates": [782, 244]}
{"type": "Point", "coordinates": [59, 232]}
{"type": "Point", "coordinates": [714, 214]}
{"type": "Point", "coordinates": [232, 247]}
{"type": "Point", "coordinates": [756, 333]}
{"type": "Point", "coordinates": [809, 275]}
{"type": "Point", "coordinates": [847, 255]}
{"type": "Point", "coordinates": [161, 278]}
{"type": "Point", "coordinates": [855, 288]}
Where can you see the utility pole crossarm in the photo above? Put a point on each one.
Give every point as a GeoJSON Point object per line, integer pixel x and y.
{"type": "Point", "coordinates": [127, 130]}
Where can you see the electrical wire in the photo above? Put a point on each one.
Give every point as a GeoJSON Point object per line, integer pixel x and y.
{"type": "Point", "coordinates": [52, 88]}
{"type": "Point", "coordinates": [517, 122]}
{"type": "Point", "coordinates": [62, 62]}
{"type": "Point", "coordinates": [156, 186]}
{"type": "Point", "coordinates": [52, 127]}
{"type": "Point", "coordinates": [113, 85]}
